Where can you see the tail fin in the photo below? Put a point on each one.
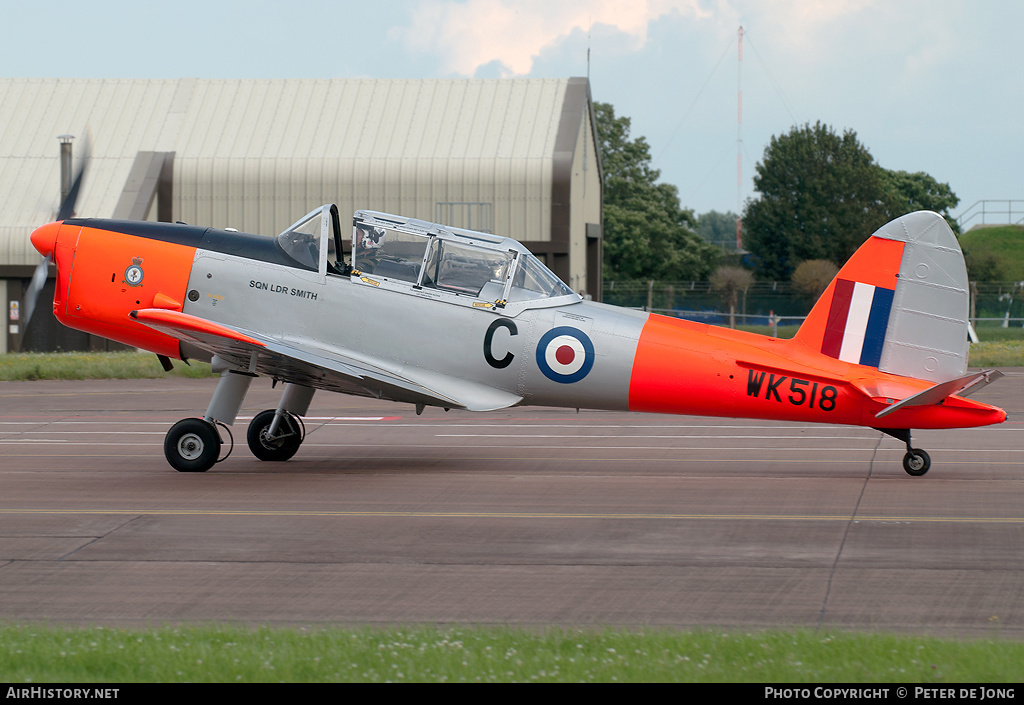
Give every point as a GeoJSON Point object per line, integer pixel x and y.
{"type": "Point", "coordinates": [899, 304]}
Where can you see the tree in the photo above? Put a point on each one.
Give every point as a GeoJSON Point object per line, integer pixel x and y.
{"type": "Point", "coordinates": [647, 234]}
{"type": "Point", "coordinates": [917, 192]}
{"type": "Point", "coordinates": [729, 282]}
{"type": "Point", "coordinates": [718, 229]}
{"type": "Point", "coordinates": [812, 276]}
{"type": "Point", "coordinates": [984, 267]}
{"type": "Point", "coordinates": [821, 196]}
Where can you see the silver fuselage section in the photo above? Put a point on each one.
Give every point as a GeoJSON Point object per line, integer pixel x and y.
{"type": "Point", "coordinates": [526, 349]}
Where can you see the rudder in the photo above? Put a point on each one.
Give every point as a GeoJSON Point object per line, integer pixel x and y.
{"type": "Point", "coordinates": [899, 304]}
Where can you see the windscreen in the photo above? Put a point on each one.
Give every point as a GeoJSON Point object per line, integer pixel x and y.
{"type": "Point", "coordinates": [535, 281]}
{"type": "Point", "coordinates": [301, 242]}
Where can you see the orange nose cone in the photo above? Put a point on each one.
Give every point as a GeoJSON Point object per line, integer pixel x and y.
{"type": "Point", "coordinates": [44, 238]}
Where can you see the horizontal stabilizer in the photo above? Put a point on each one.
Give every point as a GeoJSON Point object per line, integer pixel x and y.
{"type": "Point", "coordinates": [962, 386]}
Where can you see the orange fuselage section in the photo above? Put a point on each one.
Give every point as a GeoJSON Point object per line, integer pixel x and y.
{"type": "Point", "coordinates": [102, 276]}
{"type": "Point", "coordinates": [683, 367]}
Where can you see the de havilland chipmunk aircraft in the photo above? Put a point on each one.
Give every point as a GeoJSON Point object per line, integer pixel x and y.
{"type": "Point", "coordinates": [433, 315]}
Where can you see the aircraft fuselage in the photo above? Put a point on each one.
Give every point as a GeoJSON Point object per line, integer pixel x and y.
{"type": "Point", "coordinates": [393, 331]}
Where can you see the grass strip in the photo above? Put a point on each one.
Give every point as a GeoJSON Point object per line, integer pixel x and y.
{"type": "Point", "coordinates": [92, 365]}
{"type": "Point", "coordinates": [998, 353]}
{"type": "Point", "coordinates": [238, 654]}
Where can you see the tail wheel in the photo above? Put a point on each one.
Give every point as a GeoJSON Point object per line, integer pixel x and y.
{"type": "Point", "coordinates": [192, 445]}
{"type": "Point", "coordinates": [280, 447]}
{"type": "Point", "coordinates": [916, 462]}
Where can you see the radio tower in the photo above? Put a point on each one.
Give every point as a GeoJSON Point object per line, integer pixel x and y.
{"type": "Point", "coordinates": [739, 141]}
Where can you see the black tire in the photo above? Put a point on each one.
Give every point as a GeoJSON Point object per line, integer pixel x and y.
{"type": "Point", "coordinates": [192, 445]}
{"type": "Point", "coordinates": [917, 462]}
{"type": "Point", "coordinates": [281, 448]}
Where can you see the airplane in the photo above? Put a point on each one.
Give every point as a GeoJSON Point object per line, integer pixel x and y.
{"type": "Point", "coordinates": [432, 315]}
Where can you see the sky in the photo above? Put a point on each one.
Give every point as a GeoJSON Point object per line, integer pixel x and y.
{"type": "Point", "coordinates": [934, 86]}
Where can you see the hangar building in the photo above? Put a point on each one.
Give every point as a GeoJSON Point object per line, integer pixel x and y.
{"type": "Point", "coordinates": [514, 157]}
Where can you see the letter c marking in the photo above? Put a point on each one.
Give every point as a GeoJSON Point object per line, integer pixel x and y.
{"type": "Point", "coordinates": [489, 337]}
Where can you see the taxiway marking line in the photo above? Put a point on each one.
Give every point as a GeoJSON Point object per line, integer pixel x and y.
{"type": "Point", "coordinates": [516, 515]}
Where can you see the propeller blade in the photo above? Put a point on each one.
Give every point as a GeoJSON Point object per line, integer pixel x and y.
{"type": "Point", "coordinates": [67, 208]}
{"type": "Point", "coordinates": [35, 288]}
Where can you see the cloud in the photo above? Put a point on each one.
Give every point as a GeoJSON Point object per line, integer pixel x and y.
{"type": "Point", "coordinates": [512, 33]}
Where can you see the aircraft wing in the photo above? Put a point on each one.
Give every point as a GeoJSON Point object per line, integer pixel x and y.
{"type": "Point", "coordinates": [302, 362]}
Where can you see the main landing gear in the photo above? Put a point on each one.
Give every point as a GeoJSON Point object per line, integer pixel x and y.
{"type": "Point", "coordinates": [275, 438]}
{"type": "Point", "coordinates": [194, 445]}
{"type": "Point", "coordinates": [916, 462]}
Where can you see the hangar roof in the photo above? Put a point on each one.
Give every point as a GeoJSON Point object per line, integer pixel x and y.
{"type": "Point", "coordinates": [383, 144]}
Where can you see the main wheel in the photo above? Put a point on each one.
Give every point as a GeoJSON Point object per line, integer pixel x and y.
{"type": "Point", "coordinates": [283, 446]}
{"type": "Point", "coordinates": [192, 445]}
{"type": "Point", "coordinates": [916, 462]}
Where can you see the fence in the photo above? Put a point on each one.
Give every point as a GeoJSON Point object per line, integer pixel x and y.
{"type": "Point", "coordinates": [760, 299]}
{"type": "Point", "coordinates": [1006, 212]}
{"type": "Point", "coordinates": [721, 318]}
{"type": "Point", "coordinates": [993, 304]}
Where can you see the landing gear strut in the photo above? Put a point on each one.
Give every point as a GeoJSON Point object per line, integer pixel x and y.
{"type": "Point", "coordinates": [916, 462]}
{"type": "Point", "coordinates": [194, 445]}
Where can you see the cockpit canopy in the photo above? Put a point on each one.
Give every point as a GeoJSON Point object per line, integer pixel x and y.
{"type": "Point", "coordinates": [462, 266]}
{"type": "Point", "coordinates": [460, 262]}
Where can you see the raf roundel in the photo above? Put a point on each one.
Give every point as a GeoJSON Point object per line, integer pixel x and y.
{"type": "Point", "coordinates": [565, 355]}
